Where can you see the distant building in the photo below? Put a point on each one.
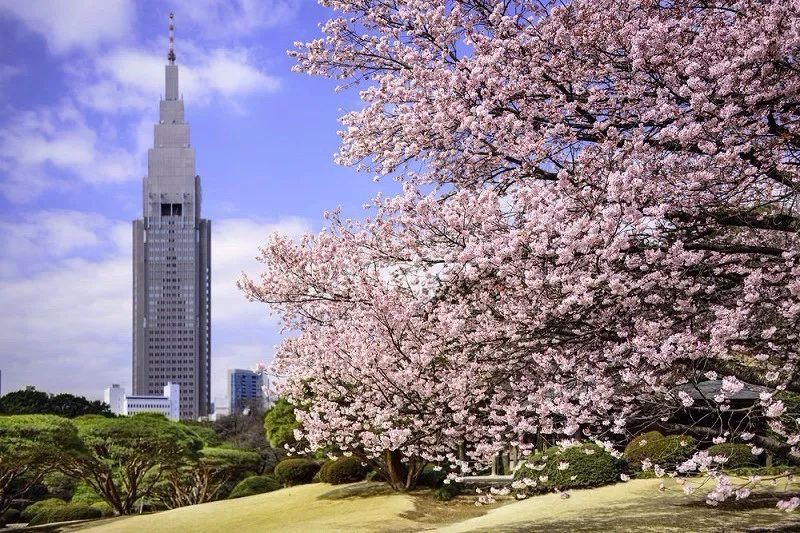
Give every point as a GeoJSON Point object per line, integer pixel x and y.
{"type": "Point", "coordinates": [114, 396]}
{"type": "Point", "coordinates": [172, 265]}
{"type": "Point", "coordinates": [167, 405]}
{"type": "Point", "coordinates": [244, 389]}
{"type": "Point", "coordinates": [221, 409]}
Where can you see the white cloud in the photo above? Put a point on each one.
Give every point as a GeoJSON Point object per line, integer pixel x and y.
{"type": "Point", "coordinates": [234, 249]}
{"type": "Point", "coordinates": [132, 79]}
{"type": "Point", "coordinates": [65, 284]}
{"type": "Point", "coordinates": [228, 18]}
{"type": "Point", "coordinates": [33, 143]}
{"type": "Point", "coordinates": [68, 25]}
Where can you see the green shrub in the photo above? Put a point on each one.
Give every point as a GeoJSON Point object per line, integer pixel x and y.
{"type": "Point", "coordinates": [738, 454]}
{"type": "Point", "coordinates": [296, 471]}
{"type": "Point", "coordinates": [447, 492]}
{"type": "Point", "coordinates": [104, 508]}
{"type": "Point", "coordinates": [320, 476]}
{"type": "Point", "coordinates": [11, 516]}
{"type": "Point", "coordinates": [585, 465]}
{"type": "Point", "coordinates": [343, 470]}
{"type": "Point", "coordinates": [374, 475]}
{"type": "Point", "coordinates": [60, 485]}
{"type": "Point", "coordinates": [641, 440]}
{"type": "Point", "coordinates": [36, 507]}
{"type": "Point", "coordinates": [84, 493]}
{"type": "Point", "coordinates": [280, 423]}
{"type": "Point", "coordinates": [668, 451]}
{"type": "Point", "coordinates": [254, 485]}
{"type": "Point", "coordinates": [431, 478]}
{"type": "Point", "coordinates": [65, 513]}
{"type": "Point", "coordinates": [764, 471]}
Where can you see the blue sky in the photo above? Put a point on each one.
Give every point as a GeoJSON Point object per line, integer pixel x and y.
{"type": "Point", "coordinates": [79, 87]}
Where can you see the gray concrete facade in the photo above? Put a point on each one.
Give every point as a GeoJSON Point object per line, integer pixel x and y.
{"type": "Point", "coordinates": [172, 267]}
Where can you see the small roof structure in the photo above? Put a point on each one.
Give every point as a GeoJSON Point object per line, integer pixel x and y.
{"type": "Point", "coordinates": [709, 389]}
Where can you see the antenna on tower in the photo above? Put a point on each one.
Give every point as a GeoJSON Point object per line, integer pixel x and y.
{"type": "Point", "coordinates": [171, 53]}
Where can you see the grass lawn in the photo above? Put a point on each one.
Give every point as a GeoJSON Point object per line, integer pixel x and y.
{"type": "Point", "coordinates": [634, 506]}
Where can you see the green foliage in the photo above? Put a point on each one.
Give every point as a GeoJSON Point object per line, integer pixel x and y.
{"type": "Point", "coordinates": [35, 508]}
{"type": "Point", "coordinates": [31, 401]}
{"type": "Point", "coordinates": [85, 494]}
{"type": "Point", "coordinates": [60, 485]}
{"type": "Point", "coordinates": [447, 492]}
{"type": "Point", "coordinates": [65, 513]}
{"type": "Point", "coordinates": [30, 447]}
{"type": "Point", "coordinates": [319, 477]}
{"type": "Point", "coordinates": [11, 516]}
{"type": "Point", "coordinates": [205, 432]}
{"type": "Point", "coordinates": [666, 451]}
{"type": "Point", "coordinates": [374, 475]}
{"type": "Point", "coordinates": [292, 472]}
{"type": "Point", "coordinates": [765, 471]}
{"type": "Point", "coordinates": [585, 465]}
{"type": "Point", "coordinates": [641, 440]}
{"type": "Point", "coordinates": [431, 478]}
{"type": "Point", "coordinates": [280, 423]}
{"type": "Point", "coordinates": [254, 485]}
{"type": "Point", "coordinates": [343, 470]}
{"type": "Point", "coordinates": [738, 454]}
{"type": "Point", "coordinates": [790, 418]}
{"type": "Point", "coordinates": [208, 476]}
{"type": "Point", "coordinates": [147, 445]}
{"type": "Point", "coordinates": [104, 508]}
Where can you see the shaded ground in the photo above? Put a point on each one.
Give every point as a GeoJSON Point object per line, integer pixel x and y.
{"type": "Point", "coordinates": [634, 506]}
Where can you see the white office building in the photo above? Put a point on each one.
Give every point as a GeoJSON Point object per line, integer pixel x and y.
{"type": "Point", "coordinates": [167, 405]}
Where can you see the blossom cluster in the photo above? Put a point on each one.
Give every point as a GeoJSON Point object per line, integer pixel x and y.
{"type": "Point", "coordinates": [600, 201]}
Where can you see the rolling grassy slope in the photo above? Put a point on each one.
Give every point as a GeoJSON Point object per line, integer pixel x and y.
{"type": "Point", "coordinates": [634, 506]}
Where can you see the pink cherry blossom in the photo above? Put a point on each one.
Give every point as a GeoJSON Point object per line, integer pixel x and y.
{"type": "Point", "coordinates": [596, 203]}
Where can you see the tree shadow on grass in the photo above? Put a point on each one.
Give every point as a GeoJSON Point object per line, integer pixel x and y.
{"type": "Point", "coordinates": [364, 489]}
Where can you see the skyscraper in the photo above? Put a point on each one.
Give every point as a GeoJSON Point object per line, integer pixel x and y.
{"type": "Point", "coordinates": [172, 264]}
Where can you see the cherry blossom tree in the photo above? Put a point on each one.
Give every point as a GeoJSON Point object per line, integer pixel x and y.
{"type": "Point", "coordinates": [600, 202]}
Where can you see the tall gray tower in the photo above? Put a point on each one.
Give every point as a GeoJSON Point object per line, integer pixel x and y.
{"type": "Point", "coordinates": [172, 265]}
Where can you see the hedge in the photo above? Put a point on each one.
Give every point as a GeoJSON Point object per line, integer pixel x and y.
{"type": "Point", "coordinates": [667, 451]}
{"type": "Point", "coordinates": [296, 471]}
{"type": "Point", "coordinates": [11, 516]}
{"type": "Point", "coordinates": [343, 470]}
{"type": "Point", "coordinates": [579, 466]}
{"type": "Point", "coordinates": [253, 485]}
{"type": "Point", "coordinates": [33, 509]}
{"type": "Point", "coordinates": [738, 454]}
{"type": "Point", "coordinates": [104, 508]}
{"type": "Point", "coordinates": [65, 513]}
{"type": "Point", "coordinates": [641, 440]}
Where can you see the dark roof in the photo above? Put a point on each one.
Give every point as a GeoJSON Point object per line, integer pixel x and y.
{"type": "Point", "coordinates": [709, 389]}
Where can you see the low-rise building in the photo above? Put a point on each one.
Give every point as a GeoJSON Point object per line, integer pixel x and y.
{"type": "Point", "coordinates": [167, 405]}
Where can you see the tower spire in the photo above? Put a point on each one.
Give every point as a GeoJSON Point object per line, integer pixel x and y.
{"type": "Point", "coordinates": [171, 52]}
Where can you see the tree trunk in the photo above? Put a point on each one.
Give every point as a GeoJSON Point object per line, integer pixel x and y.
{"type": "Point", "coordinates": [397, 470]}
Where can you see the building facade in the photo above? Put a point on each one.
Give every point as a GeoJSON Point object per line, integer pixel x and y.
{"type": "Point", "coordinates": [172, 265]}
{"type": "Point", "coordinates": [168, 404]}
{"type": "Point", "coordinates": [244, 390]}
